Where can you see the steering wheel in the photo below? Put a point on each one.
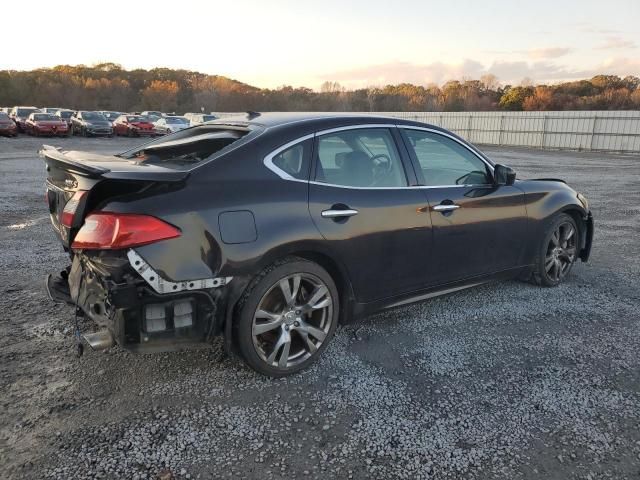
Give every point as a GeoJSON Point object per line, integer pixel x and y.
{"type": "Point", "coordinates": [382, 163]}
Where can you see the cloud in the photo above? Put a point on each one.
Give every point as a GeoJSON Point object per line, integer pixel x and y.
{"type": "Point", "coordinates": [615, 42]}
{"type": "Point", "coordinates": [553, 52]}
{"type": "Point", "coordinates": [508, 72]}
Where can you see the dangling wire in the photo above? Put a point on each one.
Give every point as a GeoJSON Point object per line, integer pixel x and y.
{"type": "Point", "coordinates": [79, 345]}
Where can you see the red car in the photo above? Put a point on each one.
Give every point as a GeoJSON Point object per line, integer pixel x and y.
{"type": "Point", "coordinates": [133, 126]}
{"type": "Point", "coordinates": [7, 126]}
{"type": "Point", "coordinates": [46, 124]}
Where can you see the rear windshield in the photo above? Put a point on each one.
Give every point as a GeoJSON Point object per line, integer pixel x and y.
{"type": "Point", "coordinates": [136, 118]}
{"type": "Point", "coordinates": [25, 112]}
{"type": "Point", "coordinates": [187, 148]}
{"type": "Point", "coordinates": [3, 116]}
{"type": "Point", "coordinates": [208, 118]}
{"type": "Point", "coordinates": [65, 114]}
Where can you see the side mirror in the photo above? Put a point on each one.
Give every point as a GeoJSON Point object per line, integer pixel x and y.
{"type": "Point", "coordinates": [503, 175]}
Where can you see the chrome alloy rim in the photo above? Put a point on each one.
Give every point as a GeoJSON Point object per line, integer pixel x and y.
{"type": "Point", "coordinates": [561, 251]}
{"type": "Point", "coordinates": [292, 320]}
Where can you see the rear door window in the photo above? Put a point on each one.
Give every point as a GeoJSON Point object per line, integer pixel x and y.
{"type": "Point", "coordinates": [362, 158]}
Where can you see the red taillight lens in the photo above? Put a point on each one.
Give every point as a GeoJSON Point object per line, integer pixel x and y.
{"type": "Point", "coordinates": [112, 231]}
{"type": "Point", "coordinates": [70, 208]}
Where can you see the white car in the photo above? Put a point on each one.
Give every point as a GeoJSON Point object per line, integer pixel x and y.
{"type": "Point", "coordinates": [200, 118]}
{"type": "Point", "coordinates": [170, 124]}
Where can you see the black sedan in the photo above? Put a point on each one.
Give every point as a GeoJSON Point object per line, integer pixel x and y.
{"type": "Point", "coordinates": [271, 229]}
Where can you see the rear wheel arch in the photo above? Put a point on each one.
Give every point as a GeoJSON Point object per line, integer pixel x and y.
{"type": "Point", "coordinates": [333, 268]}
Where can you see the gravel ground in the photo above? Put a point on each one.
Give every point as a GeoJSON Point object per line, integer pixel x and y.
{"type": "Point", "coordinates": [504, 381]}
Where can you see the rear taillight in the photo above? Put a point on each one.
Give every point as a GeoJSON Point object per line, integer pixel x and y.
{"type": "Point", "coordinates": [69, 211]}
{"type": "Point", "coordinates": [112, 231]}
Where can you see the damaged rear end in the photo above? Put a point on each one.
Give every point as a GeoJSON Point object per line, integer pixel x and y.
{"type": "Point", "coordinates": [109, 279]}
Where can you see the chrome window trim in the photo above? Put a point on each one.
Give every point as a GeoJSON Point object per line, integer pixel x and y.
{"type": "Point", "coordinates": [409, 187]}
{"type": "Point", "coordinates": [362, 126]}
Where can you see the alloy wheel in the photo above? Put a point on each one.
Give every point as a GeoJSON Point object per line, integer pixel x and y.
{"type": "Point", "coordinates": [561, 251]}
{"type": "Point", "coordinates": [292, 320]}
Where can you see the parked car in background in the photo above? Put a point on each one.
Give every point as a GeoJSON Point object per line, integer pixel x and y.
{"type": "Point", "coordinates": [51, 110]}
{"type": "Point", "coordinates": [89, 124]}
{"type": "Point", "coordinates": [133, 126]}
{"type": "Point", "coordinates": [110, 115]}
{"type": "Point", "coordinates": [152, 112]}
{"type": "Point", "coordinates": [39, 124]}
{"type": "Point", "coordinates": [65, 115]}
{"type": "Point", "coordinates": [151, 118]}
{"type": "Point", "coordinates": [188, 115]}
{"type": "Point", "coordinates": [200, 118]}
{"type": "Point", "coordinates": [20, 115]}
{"type": "Point", "coordinates": [6, 110]}
{"type": "Point", "coordinates": [167, 125]}
{"type": "Point", "coordinates": [7, 126]}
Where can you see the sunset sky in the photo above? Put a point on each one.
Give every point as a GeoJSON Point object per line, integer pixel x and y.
{"type": "Point", "coordinates": [357, 43]}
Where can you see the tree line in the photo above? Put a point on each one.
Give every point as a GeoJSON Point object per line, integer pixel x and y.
{"type": "Point", "coordinates": [107, 86]}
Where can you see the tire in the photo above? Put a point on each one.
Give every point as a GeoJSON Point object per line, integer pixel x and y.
{"type": "Point", "coordinates": [306, 324]}
{"type": "Point", "coordinates": [556, 254]}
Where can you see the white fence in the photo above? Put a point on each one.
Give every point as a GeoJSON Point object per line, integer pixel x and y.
{"type": "Point", "coordinates": [609, 131]}
{"type": "Point", "coordinates": [606, 131]}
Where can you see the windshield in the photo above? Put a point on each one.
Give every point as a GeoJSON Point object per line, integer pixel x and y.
{"type": "Point", "coordinates": [25, 112]}
{"type": "Point", "coordinates": [65, 115]}
{"type": "Point", "coordinates": [111, 115]}
{"type": "Point", "coordinates": [137, 118]}
{"type": "Point", "coordinates": [208, 118]}
{"type": "Point", "coordinates": [45, 117]}
{"type": "Point", "coordinates": [3, 116]}
{"type": "Point", "coordinates": [176, 120]}
{"type": "Point", "coordinates": [93, 116]}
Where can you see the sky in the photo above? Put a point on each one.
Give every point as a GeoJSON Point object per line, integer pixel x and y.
{"type": "Point", "coordinates": [357, 43]}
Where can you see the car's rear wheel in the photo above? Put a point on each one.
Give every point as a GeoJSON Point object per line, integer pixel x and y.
{"type": "Point", "coordinates": [287, 317]}
{"type": "Point", "coordinates": [558, 251]}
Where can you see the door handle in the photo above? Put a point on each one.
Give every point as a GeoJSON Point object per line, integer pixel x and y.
{"type": "Point", "coordinates": [338, 213]}
{"type": "Point", "coordinates": [445, 208]}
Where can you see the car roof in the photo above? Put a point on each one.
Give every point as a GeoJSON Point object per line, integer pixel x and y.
{"type": "Point", "coordinates": [276, 119]}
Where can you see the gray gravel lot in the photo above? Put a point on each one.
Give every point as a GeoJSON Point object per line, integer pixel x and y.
{"type": "Point", "coordinates": [504, 381]}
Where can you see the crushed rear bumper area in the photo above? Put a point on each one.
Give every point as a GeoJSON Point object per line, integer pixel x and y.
{"type": "Point", "coordinates": [109, 291]}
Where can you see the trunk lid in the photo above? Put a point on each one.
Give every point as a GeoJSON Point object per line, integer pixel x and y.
{"type": "Point", "coordinates": [69, 173]}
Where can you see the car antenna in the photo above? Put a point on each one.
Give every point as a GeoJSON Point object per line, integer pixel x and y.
{"type": "Point", "coordinates": [251, 114]}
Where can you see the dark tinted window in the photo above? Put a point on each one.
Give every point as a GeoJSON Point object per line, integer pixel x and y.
{"type": "Point", "coordinates": [443, 161]}
{"type": "Point", "coordinates": [293, 160]}
{"type": "Point", "coordinates": [93, 116]}
{"type": "Point", "coordinates": [360, 158]}
{"type": "Point", "coordinates": [44, 117]}
{"type": "Point", "coordinates": [25, 112]}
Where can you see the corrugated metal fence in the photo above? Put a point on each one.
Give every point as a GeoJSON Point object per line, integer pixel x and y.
{"type": "Point", "coordinates": [609, 131]}
{"type": "Point", "coordinates": [606, 131]}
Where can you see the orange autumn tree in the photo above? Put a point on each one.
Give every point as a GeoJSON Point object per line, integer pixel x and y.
{"type": "Point", "coordinates": [161, 95]}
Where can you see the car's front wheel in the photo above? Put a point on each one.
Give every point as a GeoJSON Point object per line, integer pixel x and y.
{"type": "Point", "coordinates": [287, 317]}
{"type": "Point", "coordinates": [558, 251]}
